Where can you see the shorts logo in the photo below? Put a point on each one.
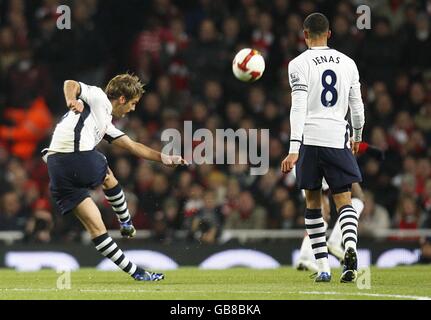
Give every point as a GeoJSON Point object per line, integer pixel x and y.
{"type": "Point", "coordinates": [294, 77]}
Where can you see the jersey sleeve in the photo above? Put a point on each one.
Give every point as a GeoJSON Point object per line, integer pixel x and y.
{"type": "Point", "coordinates": [298, 111]}
{"type": "Point", "coordinates": [297, 78]}
{"type": "Point", "coordinates": [356, 106]}
{"type": "Point", "coordinates": [112, 133]}
{"type": "Point", "coordinates": [84, 93]}
{"type": "Point", "coordinates": [90, 94]}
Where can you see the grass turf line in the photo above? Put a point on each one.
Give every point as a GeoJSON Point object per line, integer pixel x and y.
{"type": "Point", "coordinates": [407, 282]}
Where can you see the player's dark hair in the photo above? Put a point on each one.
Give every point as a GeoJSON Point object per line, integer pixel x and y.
{"type": "Point", "coordinates": [127, 85]}
{"type": "Point", "coordinates": [316, 24]}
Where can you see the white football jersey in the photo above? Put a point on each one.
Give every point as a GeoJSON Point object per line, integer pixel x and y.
{"type": "Point", "coordinates": [325, 83]}
{"type": "Point", "coordinates": [83, 131]}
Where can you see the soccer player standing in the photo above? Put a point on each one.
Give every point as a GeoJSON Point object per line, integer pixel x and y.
{"type": "Point", "coordinates": [325, 83]}
{"type": "Point", "coordinates": [74, 166]}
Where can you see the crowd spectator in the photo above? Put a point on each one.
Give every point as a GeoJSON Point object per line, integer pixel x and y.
{"type": "Point", "coordinates": [39, 225]}
{"type": "Point", "coordinates": [289, 215]}
{"type": "Point", "coordinates": [207, 222]}
{"type": "Point", "coordinates": [248, 215]}
{"type": "Point", "coordinates": [12, 214]}
{"type": "Point", "coordinates": [374, 217]}
{"type": "Point", "coordinates": [408, 214]}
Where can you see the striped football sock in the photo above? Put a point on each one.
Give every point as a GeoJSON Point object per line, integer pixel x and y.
{"type": "Point", "coordinates": [117, 200]}
{"type": "Point", "coordinates": [107, 247]}
{"type": "Point", "coordinates": [316, 230]}
{"type": "Point", "coordinates": [336, 237]}
{"type": "Point", "coordinates": [349, 226]}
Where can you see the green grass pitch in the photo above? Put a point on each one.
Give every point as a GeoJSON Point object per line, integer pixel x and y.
{"type": "Point", "coordinates": [407, 282]}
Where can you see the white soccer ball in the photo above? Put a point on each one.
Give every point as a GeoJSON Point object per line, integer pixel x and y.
{"type": "Point", "coordinates": [248, 65]}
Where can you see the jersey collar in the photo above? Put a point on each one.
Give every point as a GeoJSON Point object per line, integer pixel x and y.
{"type": "Point", "coordinates": [319, 48]}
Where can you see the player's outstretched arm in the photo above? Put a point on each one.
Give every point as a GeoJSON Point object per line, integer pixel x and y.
{"type": "Point", "coordinates": [142, 151]}
{"type": "Point", "coordinates": [72, 90]}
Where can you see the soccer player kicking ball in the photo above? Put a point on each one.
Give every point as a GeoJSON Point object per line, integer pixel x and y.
{"type": "Point", "coordinates": [74, 166]}
{"type": "Point", "coordinates": [325, 83]}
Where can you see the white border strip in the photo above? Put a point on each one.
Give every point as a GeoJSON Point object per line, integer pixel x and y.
{"type": "Point", "coordinates": [381, 295]}
{"type": "Point", "coordinates": [333, 293]}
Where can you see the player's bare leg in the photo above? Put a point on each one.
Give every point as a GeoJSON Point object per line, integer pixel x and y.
{"type": "Point", "coordinates": [316, 230]}
{"type": "Point", "coordinates": [348, 219]}
{"type": "Point", "coordinates": [117, 199]}
{"type": "Point", "coordinates": [89, 215]}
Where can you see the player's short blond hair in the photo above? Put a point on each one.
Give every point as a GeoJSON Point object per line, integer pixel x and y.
{"type": "Point", "coordinates": [127, 85]}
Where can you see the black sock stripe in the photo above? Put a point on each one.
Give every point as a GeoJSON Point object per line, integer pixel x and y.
{"type": "Point", "coordinates": [117, 197]}
{"type": "Point", "coordinates": [349, 231]}
{"type": "Point", "coordinates": [111, 202]}
{"type": "Point", "coordinates": [128, 267]}
{"type": "Point", "coordinates": [314, 226]}
{"type": "Point", "coordinates": [348, 216]}
{"type": "Point", "coordinates": [346, 209]}
{"type": "Point", "coordinates": [313, 213]}
{"type": "Point", "coordinates": [341, 213]}
{"type": "Point", "coordinates": [120, 259]}
{"type": "Point", "coordinates": [353, 213]}
{"type": "Point", "coordinates": [342, 226]}
{"type": "Point", "coordinates": [118, 205]}
{"type": "Point", "coordinates": [113, 191]}
{"type": "Point", "coordinates": [125, 219]}
{"type": "Point", "coordinates": [348, 206]}
{"type": "Point", "coordinates": [318, 245]}
{"type": "Point", "coordinates": [111, 254]}
{"type": "Point", "coordinates": [321, 255]}
{"type": "Point", "coordinates": [350, 239]}
{"type": "Point", "coordinates": [106, 247]}
{"type": "Point", "coordinates": [98, 240]}
{"type": "Point", "coordinates": [121, 212]}
{"type": "Point", "coordinates": [317, 235]}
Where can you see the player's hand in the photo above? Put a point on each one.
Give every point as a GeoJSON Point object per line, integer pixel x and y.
{"type": "Point", "coordinates": [75, 105]}
{"type": "Point", "coordinates": [289, 162]}
{"type": "Point", "coordinates": [173, 161]}
{"type": "Point", "coordinates": [354, 145]}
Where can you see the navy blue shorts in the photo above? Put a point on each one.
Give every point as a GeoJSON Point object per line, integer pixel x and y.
{"type": "Point", "coordinates": [338, 166]}
{"type": "Point", "coordinates": [73, 174]}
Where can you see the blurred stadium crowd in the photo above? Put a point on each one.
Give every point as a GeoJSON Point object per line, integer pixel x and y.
{"type": "Point", "coordinates": [183, 51]}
